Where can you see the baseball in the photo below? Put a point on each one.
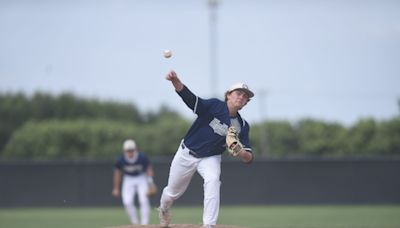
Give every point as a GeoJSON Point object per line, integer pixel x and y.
{"type": "Point", "coordinates": [167, 53]}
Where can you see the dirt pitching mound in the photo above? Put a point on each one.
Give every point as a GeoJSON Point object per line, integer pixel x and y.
{"type": "Point", "coordinates": [173, 226]}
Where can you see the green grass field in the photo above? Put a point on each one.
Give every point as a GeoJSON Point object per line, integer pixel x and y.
{"type": "Point", "coordinates": [249, 216]}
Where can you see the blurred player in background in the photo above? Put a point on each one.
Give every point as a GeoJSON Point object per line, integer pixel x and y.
{"type": "Point", "coordinates": [137, 173]}
{"type": "Point", "coordinates": [218, 127]}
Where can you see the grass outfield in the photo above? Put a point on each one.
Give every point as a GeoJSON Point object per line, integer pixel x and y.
{"type": "Point", "coordinates": [249, 216]}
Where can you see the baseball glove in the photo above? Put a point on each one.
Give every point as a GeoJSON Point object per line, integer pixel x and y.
{"type": "Point", "coordinates": [232, 142]}
{"type": "Point", "coordinates": [152, 189]}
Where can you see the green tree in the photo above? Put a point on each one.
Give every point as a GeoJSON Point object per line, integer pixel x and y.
{"type": "Point", "coordinates": [360, 136]}
{"type": "Point", "coordinates": [72, 139]}
{"type": "Point", "coordinates": [92, 139]}
{"type": "Point", "coordinates": [14, 111]}
{"type": "Point", "coordinates": [281, 138]}
{"type": "Point", "coordinates": [387, 138]}
{"type": "Point", "coordinates": [163, 136]}
{"type": "Point", "coordinates": [46, 126]}
{"type": "Point", "coordinates": [318, 138]}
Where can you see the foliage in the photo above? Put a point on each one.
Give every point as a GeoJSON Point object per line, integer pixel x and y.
{"type": "Point", "coordinates": [45, 126]}
{"type": "Point", "coordinates": [276, 138]}
{"type": "Point", "coordinates": [320, 138]}
{"type": "Point", "coordinates": [56, 139]}
{"type": "Point", "coordinates": [314, 138]}
{"type": "Point", "coordinates": [16, 109]}
{"type": "Point", "coordinates": [91, 139]}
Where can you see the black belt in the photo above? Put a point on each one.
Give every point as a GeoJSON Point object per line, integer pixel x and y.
{"type": "Point", "coordinates": [191, 152]}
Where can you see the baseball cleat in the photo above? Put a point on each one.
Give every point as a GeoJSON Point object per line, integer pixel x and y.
{"type": "Point", "coordinates": [165, 217]}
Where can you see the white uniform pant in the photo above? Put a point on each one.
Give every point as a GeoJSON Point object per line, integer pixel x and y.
{"type": "Point", "coordinates": [130, 186]}
{"type": "Point", "coordinates": [181, 172]}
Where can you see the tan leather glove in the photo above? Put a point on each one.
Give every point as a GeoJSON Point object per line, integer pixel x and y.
{"type": "Point", "coordinates": [152, 189]}
{"type": "Point", "coordinates": [233, 144]}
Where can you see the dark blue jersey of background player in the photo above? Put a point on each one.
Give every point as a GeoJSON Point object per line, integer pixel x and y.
{"type": "Point", "coordinates": [134, 166]}
{"type": "Point", "coordinates": [131, 163]}
{"type": "Point", "coordinates": [206, 136]}
{"type": "Point", "coordinates": [137, 179]}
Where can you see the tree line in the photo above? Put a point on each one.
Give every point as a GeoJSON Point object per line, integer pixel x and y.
{"type": "Point", "coordinates": [52, 127]}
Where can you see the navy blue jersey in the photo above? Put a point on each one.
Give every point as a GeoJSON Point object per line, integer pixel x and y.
{"type": "Point", "coordinates": [135, 166]}
{"type": "Point", "coordinates": [206, 136]}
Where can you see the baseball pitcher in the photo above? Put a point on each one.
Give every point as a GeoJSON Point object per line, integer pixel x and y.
{"type": "Point", "coordinates": [218, 126]}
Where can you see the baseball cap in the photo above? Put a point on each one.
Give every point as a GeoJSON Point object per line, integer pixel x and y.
{"type": "Point", "coordinates": [129, 144]}
{"type": "Point", "coordinates": [241, 86]}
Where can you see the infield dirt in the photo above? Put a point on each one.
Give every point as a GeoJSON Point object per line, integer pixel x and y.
{"type": "Point", "coordinates": [174, 226]}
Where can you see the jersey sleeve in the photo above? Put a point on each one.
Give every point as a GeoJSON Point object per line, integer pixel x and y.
{"type": "Point", "coordinates": [197, 104]}
{"type": "Point", "coordinates": [119, 163]}
{"type": "Point", "coordinates": [146, 162]}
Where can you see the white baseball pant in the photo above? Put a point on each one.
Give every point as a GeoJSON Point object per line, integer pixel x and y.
{"type": "Point", "coordinates": [131, 185]}
{"type": "Point", "coordinates": [182, 168]}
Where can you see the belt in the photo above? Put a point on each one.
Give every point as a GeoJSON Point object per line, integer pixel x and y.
{"type": "Point", "coordinates": [191, 152]}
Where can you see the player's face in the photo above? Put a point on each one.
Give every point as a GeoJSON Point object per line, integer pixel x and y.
{"type": "Point", "coordinates": [238, 98]}
{"type": "Point", "coordinates": [130, 153]}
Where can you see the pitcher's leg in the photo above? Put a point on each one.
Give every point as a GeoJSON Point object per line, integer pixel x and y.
{"type": "Point", "coordinates": [210, 169]}
{"type": "Point", "coordinates": [181, 172]}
